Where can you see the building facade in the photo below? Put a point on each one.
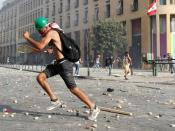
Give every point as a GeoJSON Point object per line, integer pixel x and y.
{"type": "Point", "coordinates": [145, 34]}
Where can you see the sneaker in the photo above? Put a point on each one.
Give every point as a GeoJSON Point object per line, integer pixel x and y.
{"type": "Point", "coordinates": [54, 104]}
{"type": "Point", "coordinates": [94, 113]}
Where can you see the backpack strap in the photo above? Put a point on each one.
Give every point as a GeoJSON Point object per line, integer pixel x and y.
{"type": "Point", "coordinates": [60, 39]}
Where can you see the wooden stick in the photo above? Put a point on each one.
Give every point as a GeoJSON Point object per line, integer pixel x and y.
{"type": "Point", "coordinates": [115, 111]}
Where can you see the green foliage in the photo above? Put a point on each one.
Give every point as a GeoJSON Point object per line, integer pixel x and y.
{"type": "Point", "coordinates": [110, 35]}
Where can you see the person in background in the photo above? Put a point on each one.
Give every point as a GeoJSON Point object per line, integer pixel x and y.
{"type": "Point", "coordinates": [126, 64]}
{"type": "Point", "coordinates": [77, 67]}
{"type": "Point", "coordinates": [109, 63]}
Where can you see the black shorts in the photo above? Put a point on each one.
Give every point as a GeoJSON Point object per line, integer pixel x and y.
{"type": "Point", "coordinates": [65, 69]}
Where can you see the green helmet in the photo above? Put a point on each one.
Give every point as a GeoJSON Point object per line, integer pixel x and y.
{"type": "Point", "coordinates": [40, 23]}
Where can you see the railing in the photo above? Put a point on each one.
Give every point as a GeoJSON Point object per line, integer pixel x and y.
{"type": "Point", "coordinates": [34, 68]}
{"type": "Point", "coordinates": [156, 62]}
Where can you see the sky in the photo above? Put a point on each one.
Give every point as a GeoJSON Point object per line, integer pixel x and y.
{"type": "Point", "coordinates": [1, 1]}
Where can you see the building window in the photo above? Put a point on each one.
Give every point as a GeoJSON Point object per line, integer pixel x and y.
{"type": "Point", "coordinates": [85, 2]}
{"type": "Point", "coordinates": [47, 12]}
{"type": "Point", "coordinates": [53, 11]}
{"type": "Point", "coordinates": [173, 23]}
{"type": "Point", "coordinates": [108, 9]}
{"type": "Point", "coordinates": [162, 2]}
{"type": "Point", "coordinates": [96, 14]}
{"type": "Point", "coordinates": [76, 22]}
{"type": "Point", "coordinates": [77, 37]}
{"type": "Point", "coordinates": [134, 5]}
{"type": "Point", "coordinates": [68, 5]}
{"type": "Point", "coordinates": [172, 1]}
{"type": "Point", "coordinates": [61, 22]}
{"type": "Point", "coordinates": [119, 8]}
{"type": "Point", "coordinates": [85, 19]}
{"type": "Point", "coordinates": [61, 6]}
{"type": "Point", "coordinates": [76, 3]}
{"type": "Point", "coordinates": [68, 21]}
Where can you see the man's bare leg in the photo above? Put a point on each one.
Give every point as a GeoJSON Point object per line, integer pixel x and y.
{"type": "Point", "coordinates": [83, 97]}
{"type": "Point", "coordinates": [42, 80]}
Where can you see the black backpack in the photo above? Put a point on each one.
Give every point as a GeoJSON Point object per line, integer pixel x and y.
{"type": "Point", "coordinates": [71, 50]}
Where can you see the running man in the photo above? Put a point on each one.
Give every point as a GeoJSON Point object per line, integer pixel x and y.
{"type": "Point", "coordinates": [61, 66]}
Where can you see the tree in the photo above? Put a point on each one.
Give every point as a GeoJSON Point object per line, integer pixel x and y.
{"type": "Point", "coordinates": [108, 35]}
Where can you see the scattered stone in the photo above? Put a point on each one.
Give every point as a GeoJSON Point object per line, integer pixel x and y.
{"type": "Point", "coordinates": [120, 101]}
{"type": "Point", "coordinates": [108, 121]}
{"type": "Point", "coordinates": [79, 124]}
{"type": "Point", "coordinates": [12, 115]}
{"type": "Point", "coordinates": [117, 116]}
{"type": "Point", "coordinates": [3, 115]}
{"type": "Point", "coordinates": [15, 101]}
{"type": "Point", "coordinates": [86, 111]}
{"type": "Point", "coordinates": [49, 116]}
{"type": "Point", "coordinates": [109, 95]}
{"type": "Point", "coordinates": [172, 125]}
{"type": "Point", "coordinates": [105, 94]}
{"type": "Point", "coordinates": [26, 96]}
{"type": "Point", "coordinates": [69, 110]}
{"type": "Point", "coordinates": [6, 113]}
{"type": "Point", "coordinates": [110, 90]}
{"type": "Point", "coordinates": [147, 100]}
{"type": "Point", "coordinates": [36, 118]}
{"type": "Point", "coordinates": [157, 116]}
{"type": "Point", "coordinates": [26, 113]}
{"type": "Point", "coordinates": [108, 127]}
{"type": "Point", "coordinates": [118, 106]}
{"type": "Point", "coordinates": [94, 126]}
{"type": "Point", "coordinates": [150, 113]}
{"type": "Point", "coordinates": [63, 106]}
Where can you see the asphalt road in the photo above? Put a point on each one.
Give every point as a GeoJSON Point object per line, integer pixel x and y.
{"type": "Point", "coordinates": [150, 99]}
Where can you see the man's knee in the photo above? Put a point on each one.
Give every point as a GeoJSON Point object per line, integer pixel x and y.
{"type": "Point", "coordinates": [41, 77]}
{"type": "Point", "coordinates": [73, 89]}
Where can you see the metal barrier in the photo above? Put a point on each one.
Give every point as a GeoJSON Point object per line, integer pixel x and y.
{"type": "Point", "coordinates": [157, 62]}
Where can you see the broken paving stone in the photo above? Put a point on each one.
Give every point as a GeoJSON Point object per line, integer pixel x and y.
{"type": "Point", "coordinates": [172, 125]}
{"type": "Point", "coordinates": [150, 113]}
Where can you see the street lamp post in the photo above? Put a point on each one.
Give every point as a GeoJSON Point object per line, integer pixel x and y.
{"type": "Point", "coordinates": [87, 40]}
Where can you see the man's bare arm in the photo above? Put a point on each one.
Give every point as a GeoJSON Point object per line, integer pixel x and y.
{"type": "Point", "coordinates": [37, 44]}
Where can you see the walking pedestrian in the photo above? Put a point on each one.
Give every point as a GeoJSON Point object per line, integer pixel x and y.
{"type": "Point", "coordinates": [61, 66]}
{"type": "Point", "coordinates": [77, 67]}
{"type": "Point", "coordinates": [126, 64]}
{"type": "Point", "coordinates": [109, 63]}
{"type": "Point", "coordinates": [97, 61]}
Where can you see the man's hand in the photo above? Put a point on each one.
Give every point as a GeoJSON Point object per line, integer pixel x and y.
{"type": "Point", "coordinates": [26, 35]}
